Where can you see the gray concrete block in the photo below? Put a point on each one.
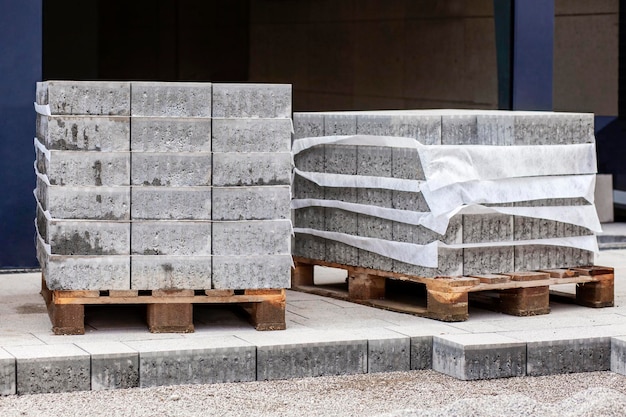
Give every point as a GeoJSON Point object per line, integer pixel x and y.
{"type": "Point", "coordinates": [7, 373]}
{"type": "Point", "coordinates": [374, 161]}
{"type": "Point", "coordinates": [375, 197]}
{"type": "Point", "coordinates": [425, 128]}
{"type": "Point", "coordinates": [420, 235]}
{"type": "Point", "coordinates": [311, 159]}
{"type": "Point", "coordinates": [495, 129]}
{"type": "Point", "coordinates": [170, 134]}
{"type": "Point", "coordinates": [41, 92]}
{"type": "Point", "coordinates": [547, 128]}
{"type": "Point", "coordinates": [411, 201]}
{"type": "Point", "coordinates": [236, 169]}
{"type": "Point", "coordinates": [169, 203]}
{"type": "Point", "coordinates": [84, 133]}
{"type": "Point", "coordinates": [87, 97]}
{"type": "Point", "coordinates": [307, 246]}
{"type": "Point", "coordinates": [194, 361]}
{"type": "Point", "coordinates": [405, 163]}
{"type": "Point", "coordinates": [303, 188]}
{"type": "Point", "coordinates": [340, 159]}
{"type": "Point", "coordinates": [93, 203]}
{"type": "Point", "coordinates": [177, 99]}
{"type": "Point", "coordinates": [88, 168]}
{"type": "Point", "coordinates": [252, 100]}
{"type": "Point", "coordinates": [478, 228]}
{"type": "Point", "coordinates": [389, 355]}
{"type": "Point", "coordinates": [165, 237]}
{"type": "Point", "coordinates": [374, 227]}
{"type": "Point", "coordinates": [341, 221]}
{"type": "Point", "coordinates": [100, 273]}
{"type": "Point", "coordinates": [88, 237]}
{"type": "Point", "coordinates": [459, 129]}
{"type": "Point", "coordinates": [171, 169]}
{"type": "Point", "coordinates": [421, 352]}
{"type": "Point", "coordinates": [533, 257]}
{"type": "Point", "coordinates": [567, 356]}
{"type": "Point", "coordinates": [162, 272]}
{"type": "Point", "coordinates": [450, 263]}
{"type": "Point", "coordinates": [251, 272]}
{"type": "Point", "coordinates": [339, 124]}
{"type": "Point", "coordinates": [311, 359]}
{"type": "Point", "coordinates": [479, 356]}
{"type": "Point", "coordinates": [113, 365]}
{"type": "Point", "coordinates": [488, 260]}
{"type": "Point", "coordinates": [251, 135]}
{"type": "Point", "coordinates": [254, 237]}
{"type": "Point", "coordinates": [308, 125]}
{"type": "Point", "coordinates": [252, 203]}
{"type": "Point", "coordinates": [532, 228]}
{"type": "Point", "coordinates": [618, 355]}
{"type": "Point", "coordinates": [51, 368]}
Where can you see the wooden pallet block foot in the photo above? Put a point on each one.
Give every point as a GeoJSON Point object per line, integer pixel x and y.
{"type": "Point", "coordinates": [268, 314]}
{"type": "Point", "coordinates": [302, 274]}
{"type": "Point", "coordinates": [447, 306]}
{"type": "Point", "coordinates": [366, 286]}
{"type": "Point", "coordinates": [530, 301]}
{"type": "Point", "coordinates": [67, 319]}
{"type": "Point", "coordinates": [596, 294]}
{"type": "Point", "coordinates": [170, 318]}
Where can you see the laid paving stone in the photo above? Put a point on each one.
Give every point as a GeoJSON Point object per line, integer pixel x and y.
{"type": "Point", "coordinates": [479, 356]}
{"type": "Point", "coordinates": [195, 361]}
{"type": "Point", "coordinates": [567, 356]}
{"type": "Point", "coordinates": [114, 365]}
{"type": "Point", "coordinates": [7, 373]}
{"type": "Point", "coordinates": [51, 368]}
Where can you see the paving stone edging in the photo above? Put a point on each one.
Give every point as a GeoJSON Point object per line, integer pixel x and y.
{"type": "Point", "coordinates": [112, 365]}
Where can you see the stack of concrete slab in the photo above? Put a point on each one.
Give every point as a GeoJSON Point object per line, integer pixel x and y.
{"type": "Point", "coordinates": [83, 184]}
{"type": "Point", "coordinates": [149, 185]}
{"type": "Point", "coordinates": [361, 161]}
{"type": "Point", "coordinates": [252, 167]}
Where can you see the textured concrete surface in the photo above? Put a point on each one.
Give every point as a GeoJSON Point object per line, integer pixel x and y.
{"type": "Point", "coordinates": [84, 133]}
{"type": "Point", "coordinates": [89, 98]}
{"type": "Point", "coordinates": [54, 368]}
{"type": "Point", "coordinates": [165, 237]}
{"type": "Point", "coordinates": [308, 125]}
{"type": "Point", "coordinates": [87, 272]}
{"type": "Point", "coordinates": [150, 272]}
{"type": "Point", "coordinates": [251, 135]}
{"type": "Point", "coordinates": [171, 169]}
{"type": "Point", "coordinates": [89, 203]}
{"type": "Point", "coordinates": [253, 237]}
{"type": "Point", "coordinates": [171, 99]}
{"type": "Point", "coordinates": [252, 100]}
{"type": "Point", "coordinates": [7, 373]}
{"type": "Point", "coordinates": [170, 134]}
{"type": "Point", "coordinates": [483, 356]}
{"type": "Point", "coordinates": [88, 168]}
{"type": "Point", "coordinates": [88, 237]}
{"type": "Point", "coordinates": [425, 128]}
{"type": "Point", "coordinates": [567, 356]}
{"type": "Point", "coordinates": [618, 355]}
{"type": "Point", "coordinates": [239, 168]}
{"type": "Point", "coordinates": [114, 365]}
{"type": "Point", "coordinates": [171, 203]}
{"type": "Point", "coordinates": [195, 361]}
{"type": "Point", "coordinates": [251, 203]}
{"type": "Point", "coordinates": [248, 272]}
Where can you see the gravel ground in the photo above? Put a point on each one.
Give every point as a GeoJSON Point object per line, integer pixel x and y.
{"type": "Point", "coordinates": [418, 393]}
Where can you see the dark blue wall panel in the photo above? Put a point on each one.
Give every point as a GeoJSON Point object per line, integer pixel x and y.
{"type": "Point", "coordinates": [533, 44]}
{"type": "Point", "coordinates": [20, 69]}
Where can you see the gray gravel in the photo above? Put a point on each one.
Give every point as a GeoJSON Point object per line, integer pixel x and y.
{"type": "Point", "coordinates": [418, 393]}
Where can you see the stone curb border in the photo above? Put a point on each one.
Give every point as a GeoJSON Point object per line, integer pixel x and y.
{"type": "Point", "coordinates": [113, 365]}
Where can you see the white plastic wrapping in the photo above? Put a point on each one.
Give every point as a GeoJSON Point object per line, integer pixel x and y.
{"type": "Point", "coordinates": [43, 109]}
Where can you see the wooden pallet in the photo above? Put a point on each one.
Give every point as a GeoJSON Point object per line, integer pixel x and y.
{"type": "Point", "coordinates": [447, 298]}
{"type": "Point", "coordinates": [167, 311]}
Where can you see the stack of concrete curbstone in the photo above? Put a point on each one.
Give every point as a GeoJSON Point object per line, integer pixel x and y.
{"type": "Point", "coordinates": [251, 186]}
{"type": "Point", "coordinates": [473, 243]}
{"type": "Point", "coordinates": [140, 187]}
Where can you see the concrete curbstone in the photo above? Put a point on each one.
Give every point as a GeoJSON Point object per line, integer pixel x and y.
{"type": "Point", "coordinates": [165, 237]}
{"type": "Point", "coordinates": [252, 100]}
{"type": "Point", "coordinates": [248, 169]}
{"type": "Point", "coordinates": [176, 99]}
{"type": "Point", "coordinates": [171, 169]}
{"type": "Point", "coordinates": [251, 135]}
{"type": "Point", "coordinates": [74, 273]}
{"type": "Point", "coordinates": [171, 203]}
{"type": "Point", "coordinates": [170, 134]}
{"type": "Point", "coordinates": [7, 373]}
{"type": "Point", "coordinates": [162, 272]}
{"type": "Point", "coordinates": [86, 97]}
{"type": "Point", "coordinates": [251, 272]}
{"type": "Point", "coordinates": [84, 133]}
{"type": "Point", "coordinates": [113, 365]}
{"type": "Point", "coordinates": [567, 356]}
{"type": "Point", "coordinates": [251, 203]}
{"type": "Point", "coordinates": [254, 237]}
